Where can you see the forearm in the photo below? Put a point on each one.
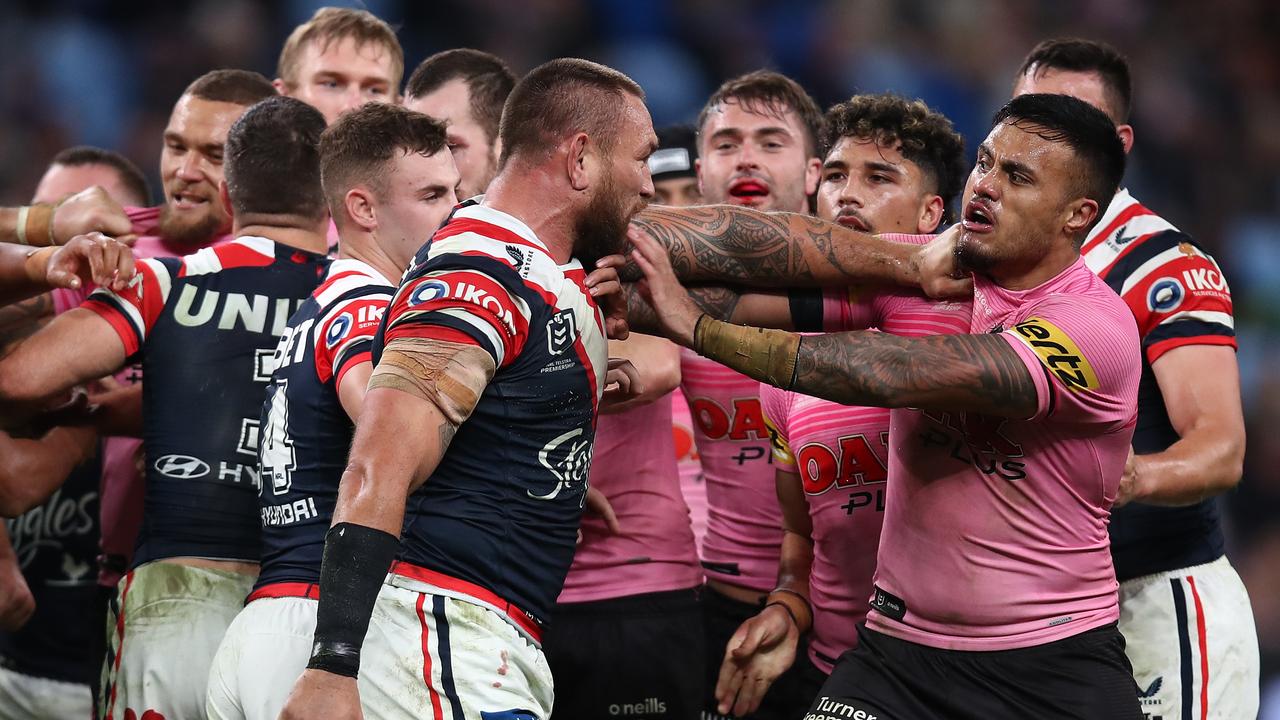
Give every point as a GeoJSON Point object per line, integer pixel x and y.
{"type": "Point", "coordinates": [1202, 464]}
{"type": "Point", "coordinates": [945, 372]}
{"type": "Point", "coordinates": [30, 225]}
{"type": "Point", "coordinates": [34, 469]}
{"type": "Point", "coordinates": [727, 244]}
{"type": "Point", "coordinates": [22, 272]}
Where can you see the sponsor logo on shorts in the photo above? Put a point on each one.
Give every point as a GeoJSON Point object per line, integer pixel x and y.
{"type": "Point", "coordinates": [828, 709]}
{"type": "Point", "coordinates": [182, 467]}
{"type": "Point", "coordinates": [1058, 353]}
{"type": "Point", "coordinates": [647, 707]}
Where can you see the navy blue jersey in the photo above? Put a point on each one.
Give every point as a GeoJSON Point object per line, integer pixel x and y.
{"type": "Point", "coordinates": [56, 545]}
{"type": "Point", "coordinates": [1179, 297]}
{"type": "Point", "coordinates": [502, 508]}
{"type": "Point", "coordinates": [306, 434]}
{"type": "Point", "coordinates": [206, 326]}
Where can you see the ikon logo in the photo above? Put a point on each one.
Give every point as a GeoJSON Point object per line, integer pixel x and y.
{"type": "Point", "coordinates": [182, 467]}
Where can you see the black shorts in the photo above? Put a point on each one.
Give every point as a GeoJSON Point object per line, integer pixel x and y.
{"type": "Point", "coordinates": [634, 657]}
{"type": "Point", "coordinates": [786, 699]}
{"type": "Point", "coordinates": [1086, 676]}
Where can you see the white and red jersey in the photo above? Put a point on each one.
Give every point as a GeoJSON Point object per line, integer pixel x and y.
{"type": "Point", "coordinates": [634, 465]}
{"type": "Point", "coordinates": [122, 483]}
{"type": "Point", "coordinates": [995, 533]}
{"type": "Point", "coordinates": [1179, 297]}
{"type": "Point", "coordinates": [692, 484]}
{"type": "Point", "coordinates": [501, 510]}
{"type": "Point", "coordinates": [744, 522]}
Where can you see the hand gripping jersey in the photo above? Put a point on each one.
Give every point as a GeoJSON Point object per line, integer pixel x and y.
{"type": "Point", "coordinates": [205, 327]}
{"type": "Point", "coordinates": [995, 530]}
{"type": "Point", "coordinates": [1179, 297]}
{"type": "Point", "coordinates": [501, 510]}
{"type": "Point", "coordinates": [744, 524]}
{"type": "Point", "coordinates": [306, 433]}
{"type": "Point", "coordinates": [122, 483]}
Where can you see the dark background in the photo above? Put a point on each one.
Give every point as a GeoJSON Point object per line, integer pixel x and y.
{"type": "Point", "coordinates": [1207, 115]}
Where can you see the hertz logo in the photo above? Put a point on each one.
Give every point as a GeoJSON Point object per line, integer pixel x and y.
{"type": "Point", "coordinates": [1058, 353]}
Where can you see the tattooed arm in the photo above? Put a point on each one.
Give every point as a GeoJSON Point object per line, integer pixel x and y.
{"type": "Point", "coordinates": [727, 244]}
{"type": "Point", "coordinates": [947, 372]}
{"type": "Point", "coordinates": [771, 309]}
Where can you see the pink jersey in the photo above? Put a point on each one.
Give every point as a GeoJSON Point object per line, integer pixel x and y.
{"type": "Point", "coordinates": [841, 455]}
{"type": "Point", "coordinates": [692, 485]}
{"type": "Point", "coordinates": [634, 465]}
{"type": "Point", "coordinates": [744, 523]}
{"type": "Point", "coordinates": [995, 532]}
{"type": "Point", "coordinates": [122, 485]}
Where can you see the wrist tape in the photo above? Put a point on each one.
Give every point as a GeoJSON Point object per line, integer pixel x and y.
{"type": "Point", "coordinates": [356, 559]}
{"type": "Point", "coordinates": [765, 355]}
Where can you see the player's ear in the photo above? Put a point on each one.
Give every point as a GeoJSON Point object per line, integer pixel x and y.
{"type": "Point", "coordinates": [359, 207]}
{"type": "Point", "coordinates": [931, 214]}
{"type": "Point", "coordinates": [1081, 214]}
{"type": "Point", "coordinates": [225, 198]}
{"type": "Point", "coordinates": [578, 161]}
{"type": "Point", "coordinates": [280, 86]}
{"type": "Point", "coordinates": [1126, 137]}
{"type": "Point", "coordinates": [812, 174]}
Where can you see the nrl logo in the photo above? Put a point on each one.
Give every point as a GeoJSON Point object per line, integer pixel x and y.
{"type": "Point", "coordinates": [562, 331]}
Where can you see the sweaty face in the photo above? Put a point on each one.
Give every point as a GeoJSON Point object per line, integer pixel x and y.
{"type": "Point", "coordinates": [417, 196]}
{"type": "Point", "coordinates": [473, 152]}
{"type": "Point", "coordinates": [755, 159]}
{"type": "Point", "coordinates": [60, 181]}
{"type": "Point", "coordinates": [338, 77]}
{"type": "Point", "coordinates": [191, 170]}
{"type": "Point", "coordinates": [1015, 201]}
{"type": "Point", "coordinates": [677, 192]}
{"type": "Point", "coordinates": [873, 188]}
{"type": "Point", "coordinates": [623, 189]}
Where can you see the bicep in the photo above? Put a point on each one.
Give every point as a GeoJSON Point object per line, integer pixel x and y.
{"type": "Point", "coordinates": [352, 387]}
{"type": "Point", "coordinates": [79, 345]}
{"type": "Point", "coordinates": [33, 469]}
{"type": "Point", "coordinates": [1212, 399]}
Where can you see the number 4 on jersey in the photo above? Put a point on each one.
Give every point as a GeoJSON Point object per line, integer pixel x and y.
{"type": "Point", "coordinates": [276, 455]}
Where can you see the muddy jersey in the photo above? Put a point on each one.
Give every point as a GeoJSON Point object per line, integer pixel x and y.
{"type": "Point", "coordinates": [205, 327]}
{"type": "Point", "coordinates": [1179, 296]}
{"type": "Point", "coordinates": [502, 508]}
{"type": "Point", "coordinates": [306, 433]}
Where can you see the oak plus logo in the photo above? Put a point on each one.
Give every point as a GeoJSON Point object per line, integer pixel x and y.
{"type": "Point", "coordinates": [181, 467]}
{"type": "Point", "coordinates": [562, 331]}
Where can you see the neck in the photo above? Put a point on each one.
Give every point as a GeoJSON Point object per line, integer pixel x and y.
{"type": "Point", "coordinates": [1059, 257]}
{"type": "Point", "coordinates": [304, 234]}
{"type": "Point", "coordinates": [364, 246]}
{"type": "Point", "coordinates": [521, 190]}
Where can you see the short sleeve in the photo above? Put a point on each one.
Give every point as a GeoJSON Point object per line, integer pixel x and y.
{"type": "Point", "coordinates": [345, 335]}
{"type": "Point", "coordinates": [1083, 357]}
{"type": "Point", "coordinates": [132, 312]}
{"type": "Point", "coordinates": [1178, 295]}
{"type": "Point", "coordinates": [463, 304]}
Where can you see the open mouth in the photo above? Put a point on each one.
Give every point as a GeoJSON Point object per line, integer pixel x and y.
{"type": "Point", "coordinates": [978, 217]}
{"type": "Point", "coordinates": [853, 221]}
{"type": "Point", "coordinates": [187, 201]}
{"type": "Point", "coordinates": [748, 192]}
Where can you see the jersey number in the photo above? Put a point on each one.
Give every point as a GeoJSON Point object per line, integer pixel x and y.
{"type": "Point", "coordinates": [275, 454]}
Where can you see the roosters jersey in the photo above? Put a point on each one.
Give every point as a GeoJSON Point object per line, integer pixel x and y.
{"type": "Point", "coordinates": [306, 433]}
{"type": "Point", "coordinates": [503, 506]}
{"type": "Point", "coordinates": [205, 327]}
{"type": "Point", "coordinates": [1179, 296]}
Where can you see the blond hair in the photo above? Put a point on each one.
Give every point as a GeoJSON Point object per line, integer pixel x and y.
{"type": "Point", "coordinates": [331, 24]}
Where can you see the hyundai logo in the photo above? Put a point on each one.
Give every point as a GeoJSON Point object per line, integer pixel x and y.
{"type": "Point", "coordinates": [183, 467]}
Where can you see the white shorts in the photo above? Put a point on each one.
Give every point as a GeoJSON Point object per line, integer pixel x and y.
{"type": "Point", "coordinates": [261, 656]}
{"type": "Point", "coordinates": [441, 654]}
{"type": "Point", "coordinates": [24, 697]}
{"type": "Point", "coordinates": [1190, 636]}
{"type": "Point", "coordinates": [162, 632]}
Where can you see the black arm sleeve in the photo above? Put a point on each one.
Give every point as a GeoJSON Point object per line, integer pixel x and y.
{"type": "Point", "coordinates": [356, 560]}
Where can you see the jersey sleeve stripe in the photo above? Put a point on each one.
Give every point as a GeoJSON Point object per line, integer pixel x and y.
{"type": "Point", "coordinates": [1100, 235]}
{"type": "Point", "coordinates": [456, 328]}
{"type": "Point", "coordinates": [460, 226]}
{"type": "Point", "coordinates": [363, 356]}
{"type": "Point", "coordinates": [1156, 349]}
{"type": "Point", "coordinates": [122, 317]}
